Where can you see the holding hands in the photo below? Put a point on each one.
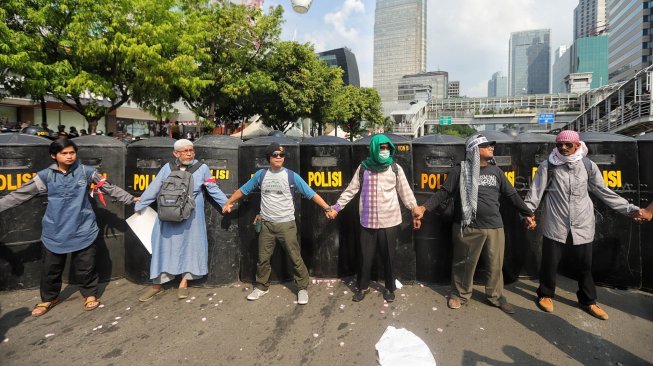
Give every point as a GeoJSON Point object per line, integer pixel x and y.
{"type": "Point", "coordinates": [530, 222]}
{"type": "Point", "coordinates": [331, 213]}
{"type": "Point", "coordinates": [642, 215]}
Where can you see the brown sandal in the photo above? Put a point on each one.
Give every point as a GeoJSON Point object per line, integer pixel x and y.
{"type": "Point", "coordinates": [88, 301]}
{"type": "Point", "coordinates": [45, 307]}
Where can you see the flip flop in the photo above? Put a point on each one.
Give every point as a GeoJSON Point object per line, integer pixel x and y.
{"type": "Point", "coordinates": [88, 301]}
{"type": "Point", "coordinates": [46, 306]}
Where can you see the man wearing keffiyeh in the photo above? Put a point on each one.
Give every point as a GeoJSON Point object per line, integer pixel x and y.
{"type": "Point", "coordinates": [380, 215]}
{"type": "Point", "coordinates": [477, 185]}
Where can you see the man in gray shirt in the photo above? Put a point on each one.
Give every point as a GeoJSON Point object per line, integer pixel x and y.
{"type": "Point", "coordinates": [568, 217]}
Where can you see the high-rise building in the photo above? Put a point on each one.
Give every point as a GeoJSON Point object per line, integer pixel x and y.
{"type": "Point", "coordinates": [436, 82]}
{"type": "Point", "coordinates": [629, 48]}
{"type": "Point", "coordinates": [529, 65]}
{"type": "Point", "coordinates": [498, 85]}
{"type": "Point", "coordinates": [560, 70]}
{"type": "Point", "coordinates": [454, 89]}
{"type": "Point", "coordinates": [590, 18]}
{"type": "Point", "coordinates": [590, 55]}
{"type": "Point", "coordinates": [346, 60]}
{"type": "Point", "coordinates": [399, 43]}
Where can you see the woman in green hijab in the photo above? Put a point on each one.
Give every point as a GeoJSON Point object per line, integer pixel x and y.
{"type": "Point", "coordinates": [381, 183]}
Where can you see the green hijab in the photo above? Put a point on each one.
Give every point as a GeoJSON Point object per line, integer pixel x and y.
{"type": "Point", "coordinates": [374, 162]}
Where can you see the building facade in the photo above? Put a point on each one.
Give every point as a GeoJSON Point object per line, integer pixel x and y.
{"type": "Point", "coordinates": [454, 89]}
{"type": "Point", "coordinates": [590, 55]}
{"type": "Point", "coordinates": [590, 18]}
{"type": "Point", "coordinates": [497, 86]}
{"type": "Point", "coordinates": [436, 82]}
{"type": "Point", "coordinates": [629, 47]}
{"type": "Point", "coordinates": [529, 65]}
{"type": "Point", "coordinates": [344, 59]}
{"type": "Point", "coordinates": [560, 70]}
{"type": "Point", "coordinates": [399, 43]}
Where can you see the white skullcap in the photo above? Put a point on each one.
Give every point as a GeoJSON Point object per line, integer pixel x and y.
{"type": "Point", "coordinates": [182, 143]}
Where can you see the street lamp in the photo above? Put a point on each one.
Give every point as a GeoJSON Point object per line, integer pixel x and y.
{"type": "Point", "coordinates": [301, 6]}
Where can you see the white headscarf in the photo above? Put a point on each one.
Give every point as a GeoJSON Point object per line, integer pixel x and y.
{"type": "Point", "coordinates": [556, 158]}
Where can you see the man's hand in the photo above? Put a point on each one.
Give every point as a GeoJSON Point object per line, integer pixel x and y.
{"type": "Point", "coordinates": [332, 214]}
{"type": "Point", "coordinates": [642, 215]}
{"type": "Point", "coordinates": [136, 199]}
{"type": "Point", "coordinates": [418, 212]}
{"type": "Point", "coordinates": [227, 207]}
{"type": "Point", "coordinates": [417, 223]}
{"type": "Point", "coordinates": [530, 222]}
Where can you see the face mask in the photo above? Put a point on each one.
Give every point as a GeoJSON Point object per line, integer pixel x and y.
{"type": "Point", "coordinates": [384, 154]}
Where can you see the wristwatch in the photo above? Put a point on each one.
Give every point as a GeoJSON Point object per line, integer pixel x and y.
{"type": "Point", "coordinates": [327, 209]}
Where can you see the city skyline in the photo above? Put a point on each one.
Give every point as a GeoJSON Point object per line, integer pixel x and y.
{"type": "Point", "coordinates": [468, 39]}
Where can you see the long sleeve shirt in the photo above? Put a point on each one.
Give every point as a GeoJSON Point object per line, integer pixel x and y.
{"type": "Point", "coordinates": [69, 222]}
{"type": "Point", "coordinates": [492, 185]}
{"type": "Point", "coordinates": [379, 198]}
{"type": "Point", "coordinates": [568, 206]}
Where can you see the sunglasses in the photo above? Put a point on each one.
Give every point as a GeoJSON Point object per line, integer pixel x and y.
{"type": "Point", "coordinates": [384, 147]}
{"type": "Point", "coordinates": [568, 145]}
{"type": "Point", "coordinates": [278, 155]}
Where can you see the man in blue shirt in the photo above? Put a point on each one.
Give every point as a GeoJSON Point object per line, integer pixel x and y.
{"type": "Point", "coordinates": [278, 215]}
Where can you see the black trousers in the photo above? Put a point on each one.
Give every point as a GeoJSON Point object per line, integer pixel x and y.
{"type": "Point", "coordinates": [83, 265]}
{"type": "Point", "coordinates": [384, 240]}
{"type": "Point", "coordinates": [552, 252]}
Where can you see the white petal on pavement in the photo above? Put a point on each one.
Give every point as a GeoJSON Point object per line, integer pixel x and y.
{"type": "Point", "coordinates": [128, 309]}
{"type": "Point", "coordinates": [49, 335]}
{"type": "Point", "coordinates": [342, 344]}
{"type": "Point", "coordinates": [101, 306]}
{"type": "Point", "coordinates": [114, 323]}
{"type": "Point", "coordinates": [210, 299]}
{"type": "Point", "coordinates": [345, 292]}
{"type": "Point", "coordinates": [203, 319]}
{"type": "Point", "coordinates": [315, 335]}
{"type": "Point", "coordinates": [434, 308]}
{"type": "Point", "coordinates": [187, 300]}
{"type": "Point", "coordinates": [117, 318]}
{"type": "Point", "coordinates": [192, 298]}
{"type": "Point", "coordinates": [5, 340]}
{"type": "Point", "coordinates": [440, 330]}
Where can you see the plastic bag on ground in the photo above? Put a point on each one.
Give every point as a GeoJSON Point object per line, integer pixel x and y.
{"type": "Point", "coordinates": [400, 347]}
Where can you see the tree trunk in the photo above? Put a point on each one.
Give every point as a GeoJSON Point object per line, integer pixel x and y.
{"type": "Point", "coordinates": [44, 114]}
{"type": "Point", "coordinates": [92, 126]}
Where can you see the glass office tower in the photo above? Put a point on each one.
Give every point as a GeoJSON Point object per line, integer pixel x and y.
{"type": "Point", "coordinates": [629, 48]}
{"type": "Point", "coordinates": [529, 65]}
{"type": "Point", "coordinates": [399, 43]}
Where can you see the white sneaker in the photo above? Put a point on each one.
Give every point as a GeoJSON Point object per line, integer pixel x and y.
{"type": "Point", "coordinates": [302, 297]}
{"type": "Point", "coordinates": [256, 294]}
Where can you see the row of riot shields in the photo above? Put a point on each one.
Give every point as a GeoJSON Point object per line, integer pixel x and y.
{"type": "Point", "coordinates": [623, 251]}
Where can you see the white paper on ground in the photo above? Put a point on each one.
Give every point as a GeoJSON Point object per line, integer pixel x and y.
{"type": "Point", "coordinates": [398, 284]}
{"type": "Point", "coordinates": [399, 347]}
{"type": "Point", "coordinates": [142, 223]}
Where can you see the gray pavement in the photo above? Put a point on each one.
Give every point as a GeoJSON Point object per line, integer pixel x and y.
{"type": "Point", "coordinates": [218, 326]}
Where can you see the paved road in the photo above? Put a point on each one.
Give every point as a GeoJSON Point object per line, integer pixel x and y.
{"type": "Point", "coordinates": [219, 327]}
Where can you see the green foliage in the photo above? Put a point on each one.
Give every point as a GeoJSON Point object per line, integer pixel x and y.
{"type": "Point", "coordinates": [356, 109]}
{"type": "Point", "coordinates": [95, 55]}
{"type": "Point", "coordinates": [461, 131]}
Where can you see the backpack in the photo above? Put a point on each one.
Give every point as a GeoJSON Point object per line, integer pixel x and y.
{"type": "Point", "coordinates": [291, 181]}
{"type": "Point", "coordinates": [361, 172]}
{"type": "Point", "coordinates": [175, 200]}
{"type": "Point", "coordinates": [586, 162]}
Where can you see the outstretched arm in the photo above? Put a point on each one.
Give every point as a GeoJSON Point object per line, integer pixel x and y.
{"type": "Point", "coordinates": [23, 194]}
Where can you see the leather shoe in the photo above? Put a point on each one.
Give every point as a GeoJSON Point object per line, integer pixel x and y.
{"type": "Point", "coordinates": [388, 296]}
{"type": "Point", "coordinates": [360, 295]}
{"type": "Point", "coordinates": [453, 303]}
{"type": "Point", "coordinates": [596, 311]}
{"type": "Point", "coordinates": [507, 308]}
{"type": "Point", "coordinates": [545, 303]}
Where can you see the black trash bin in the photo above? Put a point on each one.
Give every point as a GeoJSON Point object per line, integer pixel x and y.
{"type": "Point", "coordinates": [107, 155]}
{"type": "Point", "coordinates": [504, 156]}
{"type": "Point", "coordinates": [434, 156]}
{"type": "Point", "coordinates": [220, 154]}
{"type": "Point", "coordinates": [21, 157]}
{"type": "Point", "coordinates": [522, 258]}
{"type": "Point", "coordinates": [252, 155]}
{"type": "Point", "coordinates": [645, 151]}
{"type": "Point", "coordinates": [405, 251]}
{"type": "Point", "coordinates": [328, 246]}
{"type": "Point", "coordinates": [616, 258]}
{"type": "Point", "coordinates": [144, 160]}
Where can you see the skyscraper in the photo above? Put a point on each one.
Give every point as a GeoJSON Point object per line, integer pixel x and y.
{"type": "Point", "coordinates": [399, 43]}
{"type": "Point", "coordinates": [454, 89]}
{"type": "Point", "coordinates": [590, 55]}
{"type": "Point", "coordinates": [590, 18]}
{"type": "Point", "coordinates": [435, 82]}
{"type": "Point", "coordinates": [529, 65]}
{"type": "Point", "coordinates": [346, 60]}
{"type": "Point", "coordinates": [629, 45]}
{"type": "Point", "coordinates": [560, 70]}
{"type": "Point", "coordinates": [498, 85]}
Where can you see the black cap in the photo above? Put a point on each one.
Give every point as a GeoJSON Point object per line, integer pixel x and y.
{"type": "Point", "coordinates": [272, 148]}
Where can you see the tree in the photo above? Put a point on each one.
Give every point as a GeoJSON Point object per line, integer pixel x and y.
{"type": "Point", "coordinates": [95, 55]}
{"type": "Point", "coordinates": [456, 130]}
{"type": "Point", "coordinates": [356, 109]}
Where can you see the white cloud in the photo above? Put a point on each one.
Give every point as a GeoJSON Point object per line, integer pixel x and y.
{"type": "Point", "coordinates": [338, 19]}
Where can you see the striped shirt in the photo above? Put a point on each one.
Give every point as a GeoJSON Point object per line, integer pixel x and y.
{"type": "Point", "coordinates": [380, 193]}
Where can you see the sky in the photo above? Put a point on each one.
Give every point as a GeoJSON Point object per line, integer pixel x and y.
{"type": "Point", "coordinates": [467, 38]}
